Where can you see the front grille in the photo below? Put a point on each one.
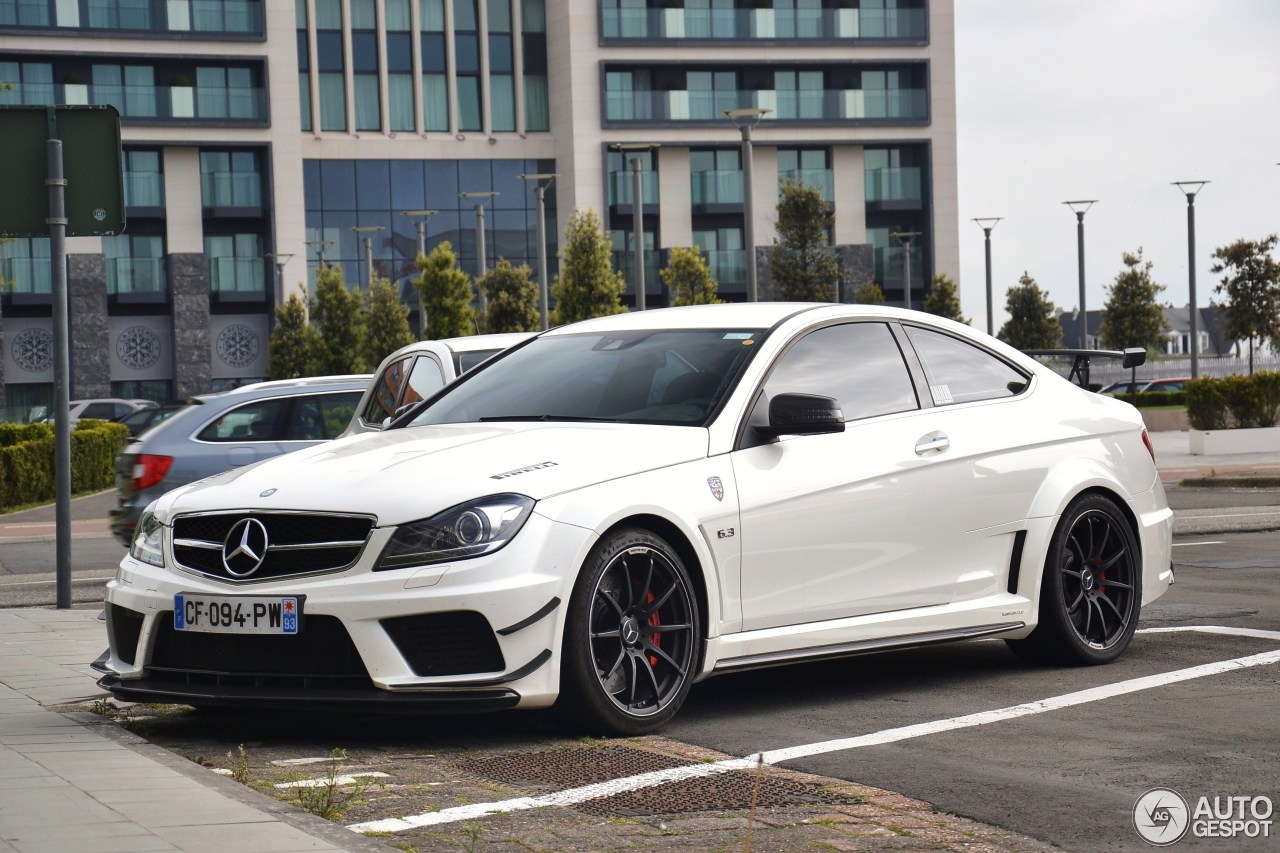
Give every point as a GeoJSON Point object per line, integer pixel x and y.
{"type": "Point", "coordinates": [123, 629]}
{"type": "Point", "coordinates": [321, 655]}
{"type": "Point", "coordinates": [297, 543]}
{"type": "Point", "coordinates": [459, 642]}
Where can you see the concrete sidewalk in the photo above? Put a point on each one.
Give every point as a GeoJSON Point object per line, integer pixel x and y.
{"type": "Point", "coordinates": [77, 781]}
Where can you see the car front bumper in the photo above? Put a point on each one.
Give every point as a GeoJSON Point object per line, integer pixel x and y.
{"type": "Point", "coordinates": [367, 639]}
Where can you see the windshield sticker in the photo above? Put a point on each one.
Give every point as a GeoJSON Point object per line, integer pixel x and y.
{"type": "Point", "coordinates": [525, 470]}
{"type": "Point", "coordinates": [941, 394]}
{"type": "Point", "coordinates": [739, 336]}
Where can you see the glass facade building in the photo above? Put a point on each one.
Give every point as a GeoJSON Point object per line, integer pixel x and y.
{"type": "Point", "coordinates": [257, 136]}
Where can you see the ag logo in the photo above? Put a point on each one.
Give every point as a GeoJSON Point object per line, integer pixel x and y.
{"type": "Point", "coordinates": [1161, 816]}
{"type": "Point", "coordinates": [717, 488]}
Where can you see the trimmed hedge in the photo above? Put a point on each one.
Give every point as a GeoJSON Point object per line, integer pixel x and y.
{"type": "Point", "coordinates": [1234, 402]}
{"type": "Point", "coordinates": [1155, 398]}
{"type": "Point", "coordinates": [27, 459]}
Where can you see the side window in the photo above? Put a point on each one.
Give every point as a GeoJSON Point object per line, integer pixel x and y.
{"type": "Point", "coordinates": [335, 411]}
{"type": "Point", "coordinates": [105, 411]}
{"type": "Point", "coordinates": [307, 423]}
{"type": "Point", "coordinates": [261, 420]}
{"type": "Point", "coordinates": [464, 361]}
{"type": "Point", "coordinates": [382, 403]}
{"type": "Point", "coordinates": [857, 363]}
{"type": "Point", "coordinates": [426, 379]}
{"type": "Point", "coordinates": [960, 372]}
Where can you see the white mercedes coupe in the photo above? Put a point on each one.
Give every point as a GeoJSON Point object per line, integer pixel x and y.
{"type": "Point", "coordinates": [616, 509]}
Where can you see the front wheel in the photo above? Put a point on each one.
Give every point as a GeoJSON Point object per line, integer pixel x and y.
{"type": "Point", "coordinates": [632, 637]}
{"type": "Point", "coordinates": [1092, 588]}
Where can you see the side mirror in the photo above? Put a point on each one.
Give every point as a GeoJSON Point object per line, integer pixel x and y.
{"type": "Point", "coordinates": [803, 414]}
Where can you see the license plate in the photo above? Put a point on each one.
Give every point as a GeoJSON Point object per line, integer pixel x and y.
{"type": "Point", "coordinates": [237, 614]}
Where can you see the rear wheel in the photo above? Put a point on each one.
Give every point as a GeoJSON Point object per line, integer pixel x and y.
{"type": "Point", "coordinates": [1092, 588]}
{"type": "Point", "coordinates": [632, 637]}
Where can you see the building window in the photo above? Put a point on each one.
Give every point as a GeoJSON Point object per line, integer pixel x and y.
{"type": "Point", "coordinates": [131, 89]}
{"type": "Point", "coordinates": [893, 175]}
{"type": "Point", "coordinates": [502, 92]}
{"type": "Point", "coordinates": [24, 261]}
{"type": "Point", "coordinates": [364, 65]}
{"type": "Point", "coordinates": [143, 179]}
{"type": "Point", "coordinates": [741, 20]}
{"type": "Point", "coordinates": [230, 179]}
{"type": "Point", "coordinates": [32, 83]}
{"type": "Point", "coordinates": [537, 112]}
{"type": "Point", "coordinates": [24, 13]}
{"type": "Point", "coordinates": [236, 265]}
{"type": "Point", "coordinates": [135, 264]}
{"type": "Point", "coordinates": [400, 65]}
{"type": "Point", "coordinates": [329, 65]}
{"type": "Point", "coordinates": [723, 250]}
{"type": "Point", "coordinates": [622, 183]}
{"type": "Point", "coordinates": [304, 65]}
{"type": "Point", "coordinates": [808, 166]}
{"type": "Point", "coordinates": [435, 85]}
{"type": "Point", "coordinates": [120, 14]}
{"type": "Point", "coordinates": [466, 45]}
{"type": "Point", "coordinates": [715, 176]}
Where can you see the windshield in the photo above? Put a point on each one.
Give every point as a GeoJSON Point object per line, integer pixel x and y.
{"type": "Point", "coordinates": [663, 377]}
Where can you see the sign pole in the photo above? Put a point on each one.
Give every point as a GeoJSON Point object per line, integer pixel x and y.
{"type": "Point", "coordinates": [61, 364]}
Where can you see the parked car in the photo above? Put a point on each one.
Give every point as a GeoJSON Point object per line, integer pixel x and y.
{"type": "Point", "coordinates": [420, 369]}
{"type": "Point", "coordinates": [104, 408]}
{"type": "Point", "coordinates": [143, 419]}
{"type": "Point", "coordinates": [1125, 387]}
{"type": "Point", "coordinates": [216, 432]}
{"type": "Point", "coordinates": [620, 507]}
{"type": "Point", "coordinates": [1166, 385]}
{"type": "Point", "coordinates": [1142, 386]}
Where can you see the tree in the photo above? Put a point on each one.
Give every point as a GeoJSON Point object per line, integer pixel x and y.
{"type": "Point", "coordinates": [445, 294]}
{"type": "Point", "coordinates": [587, 284]}
{"type": "Point", "coordinates": [803, 267]}
{"type": "Point", "coordinates": [1031, 324]}
{"type": "Point", "coordinates": [1252, 288]}
{"type": "Point", "coordinates": [293, 342]}
{"type": "Point", "coordinates": [868, 293]}
{"type": "Point", "coordinates": [336, 315]}
{"type": "Point", "coordinates": [512, 297]}
{"type": "Point", "coordinates": [1132, 315]}
{"type": "Point", "coordinates": [688, 279]}
{"type": "Point", "coordinates": [386, 323]}
{"type": "Point", "coordinates": [944, 299]}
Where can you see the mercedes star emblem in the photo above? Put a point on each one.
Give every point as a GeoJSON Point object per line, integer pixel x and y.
{"type": "Point", "coordinates": [245, 547]}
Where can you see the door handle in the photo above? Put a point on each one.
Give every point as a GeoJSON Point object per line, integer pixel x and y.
{"type": "Point", "coordinates": [933, 442]}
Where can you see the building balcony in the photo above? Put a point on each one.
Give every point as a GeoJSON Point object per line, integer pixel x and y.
{"type": "Point", "coordinates": [894, 188]}
{"type": "Point", "coordinates": [236, 279]}
{"type": "Point", "coordinates": [137, 280]}
{"type": "Point", "coordinates": [820, 106]}
{"type": "Point", "coordinates": [26, 277]}
{"type": "Point", "coordinates": [716, 186]}
{"type": "Point", "coordinates": [621, 188]}
{"type": "Point", "coordinates": [222, 19]}
{"type": "Point", "coordinates": [822, 179]}
{"type": "Point", "coordinates": [747, 24]}
{"type": "Point", "coordinates": [237, 191]}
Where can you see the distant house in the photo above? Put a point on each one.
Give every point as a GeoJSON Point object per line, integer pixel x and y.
{"type": "Point", "coordinates": [1177, 336]}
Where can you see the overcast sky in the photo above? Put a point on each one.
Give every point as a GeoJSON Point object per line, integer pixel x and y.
{"type": "Point", "coordinates": [1113, 100]}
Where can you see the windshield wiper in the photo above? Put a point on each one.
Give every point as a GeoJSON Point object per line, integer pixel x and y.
{"type": "Point", "coordinates": [573, 418]}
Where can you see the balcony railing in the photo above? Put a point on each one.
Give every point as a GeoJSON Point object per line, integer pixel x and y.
{"type": "Point", "coordinates": [888, 267]}
{"type": "Point", "coordinates": [136, 276]}
{"type": "Point", "coordinates": [624, 263]}
{"type": "Point", "coordinates": [727, 266]}
{"type": "Point", "coordinates": [27, 276]}
{"type": "Point", "coordinates": [837, 105]}
{"type": "Point", "coordinates": [238, 17]}
{"type": "Point", "coordinates": [894, 184]}
{"type": "Point", "coordinates": [237, 275]}
{"type": "Point", "coordinates": [746, 24]}
{"type": "Point", "coordinates": [143, 189]}
{"type": "Point", "coordinates": [620, 184]}
{"type": "Point", "coordinates": [231, 189]}
{"type": "Point", "coordinates": [716, 186]}
{"type": "Point", "coordinates": [820, 178]}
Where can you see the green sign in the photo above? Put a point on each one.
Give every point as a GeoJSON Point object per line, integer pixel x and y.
{"type": "Point", "coordinates": [91, 164]}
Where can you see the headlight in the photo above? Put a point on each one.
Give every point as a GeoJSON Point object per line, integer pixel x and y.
{"type": "Point", "coordinates": [467, 530]}
{"type": "Point", "coordinates": [148, 540]}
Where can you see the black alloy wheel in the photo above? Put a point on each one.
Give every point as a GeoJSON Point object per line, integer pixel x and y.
{"type": "Point", "coordinates": [632, 638]}
{"type": "Point", "coordinates": [1092, 588]}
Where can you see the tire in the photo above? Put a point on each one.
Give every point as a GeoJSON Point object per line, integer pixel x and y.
{"type": "Point", "coordinates": [632, 640]}
{"type": "Point", "coordinates": [1091, 592]}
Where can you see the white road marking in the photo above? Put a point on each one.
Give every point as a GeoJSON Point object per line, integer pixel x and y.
{"type": "Point", "coordinates": [325, 781]}
{"type": "Point", "coordinates": [1231, 515]}
{"type": "Point", "coordinates": [53, 581]}
{"type": "Point", "coordinates": [573, 796]}
{"type": "Point", "coordinates": [1212, 542]}
{"type": "Point", "coordinates": [294, 762]}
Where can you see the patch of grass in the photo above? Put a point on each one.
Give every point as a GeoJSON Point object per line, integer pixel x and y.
{"type": "Point", "coordinates": [473, 831]}
{"type": "Point", "coordinates": [897, 830]}
{"type": "Point", "coordinates": [102, 707]}
{"type": "Point", "coordinates": [329, 798]}
{"type": "Point", "coordinates": [238, 764]}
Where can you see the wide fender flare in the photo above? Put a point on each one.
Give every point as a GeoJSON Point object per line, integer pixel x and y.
{"type": "Point", "coordinates": [1069, 478]}
{"type": "Point", "coordinates": [599, 510]}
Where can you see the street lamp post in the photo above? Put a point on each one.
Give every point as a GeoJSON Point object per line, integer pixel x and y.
{"type": "Point", "coordinates": [319, 245]}
{"type": "Point", "coordinates": [279, 259]}
{"type": "Point", "coordinates": [637, 210]}
{"type": "Point", "coordinates": [905, 237]}
{"type": "Point", "coordinates": [987, 223]}
{"type": "Point", "coordinates": [1079, 208]}
{"type": "Point", "coordinates": [541, 180]}
{"type": "Point", "coordinates": [745, 119]}
{"type": "Point", "coordinates": [480, 198]}
{"type": "Point", "coordinates": [420, 225]}
{"type": "Point", "coordinates": [1191, 188]}
{"type": "Point", "coordinates": [368, 231]}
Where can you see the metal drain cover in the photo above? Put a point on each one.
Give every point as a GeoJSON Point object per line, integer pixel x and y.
{"type": "Point", "coordinates": [558, 769]}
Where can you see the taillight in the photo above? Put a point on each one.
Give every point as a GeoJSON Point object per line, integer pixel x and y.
{"type": "Point", "coordinates": [149, 469]}
{"type": "Point", "coordinates": [1146, 439]}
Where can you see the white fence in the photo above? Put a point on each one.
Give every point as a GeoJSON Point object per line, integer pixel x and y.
{"type": "Point", "coordinates": [1105, 370]}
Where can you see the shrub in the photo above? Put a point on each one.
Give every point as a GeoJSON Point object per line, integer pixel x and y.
{"type": "Point", "coordinates": [1155, 398]}
{"type": "Point", "coordinates": [1234, 401]}
{"type": "Point", "coordinates": [27, 459]}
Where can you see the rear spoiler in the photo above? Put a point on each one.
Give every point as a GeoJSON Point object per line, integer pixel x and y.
{"type": "Point", "coordinates": [1130, 357]}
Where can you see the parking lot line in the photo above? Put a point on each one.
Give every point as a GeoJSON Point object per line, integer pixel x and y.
{"type": "Point", "coordinates": [1211, 542]}
{"type": "Point", "coordinates": [573, 796]}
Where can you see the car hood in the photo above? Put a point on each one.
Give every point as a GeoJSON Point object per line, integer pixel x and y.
{"type": "Point", "coordinates": [407, 474]}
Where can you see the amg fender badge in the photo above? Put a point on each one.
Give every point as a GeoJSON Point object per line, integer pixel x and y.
{"type": "Point", "coordinates": [525, 470]}
{"type": "Point", "coordinates": [266, 493]}
{"type": "Point", "coordinates": [717, 488]}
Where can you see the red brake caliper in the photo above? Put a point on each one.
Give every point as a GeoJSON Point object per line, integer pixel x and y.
{"type": "Point", "coordinates": [655, 620]}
